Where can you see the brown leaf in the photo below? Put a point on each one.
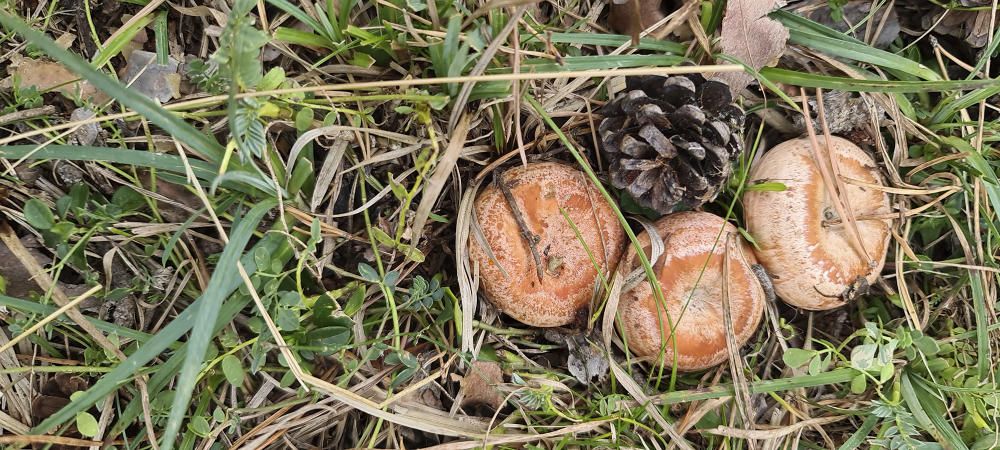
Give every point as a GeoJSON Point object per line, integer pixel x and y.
{"type": "Point", "coordinates": [54, 395]}
{"type": "Point", "coordinates": [19, 280]}
{"type": "Point", "coordinates": [182, 202]}
{"type": "Point", "coordinates": [47, 75]}
{"type": "Point", "coordinates": [630, 17]}
{"type": "Point", "coordinates": [750, 36]}
{"type": "Point", "coordinates": [480, 384]}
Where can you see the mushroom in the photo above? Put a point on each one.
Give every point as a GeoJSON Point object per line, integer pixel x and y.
{"type": "Point", "coordinates": [812, 254]}
{"type": "Point", "coordinates": [532, 264]}
{"type": "Point", "coordinates": [704, 263]}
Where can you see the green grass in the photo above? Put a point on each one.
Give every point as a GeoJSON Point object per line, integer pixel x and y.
{"type": "Point", "coordinates": [312, 188]}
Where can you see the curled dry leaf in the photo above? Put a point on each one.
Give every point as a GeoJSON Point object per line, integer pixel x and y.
{"type": "Point", "coordinates": [751, 37]}
{"type": "Point", "coordinates": [480, 385]}
{"type": "Point", "coordinates": [145, 75]}
{"type": "Point", "coordinates": [586, 361]}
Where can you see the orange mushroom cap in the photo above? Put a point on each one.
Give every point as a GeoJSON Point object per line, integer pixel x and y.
{"type": "Point", "coordinates": [801, 241]}
{"type": "Point", "coordinates": [693, 271]}
{"type": "Point", "coordinates": [542, 192]}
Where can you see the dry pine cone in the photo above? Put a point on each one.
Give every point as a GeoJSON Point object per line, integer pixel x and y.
{"type": "Point", "coordinates": [670, 140]}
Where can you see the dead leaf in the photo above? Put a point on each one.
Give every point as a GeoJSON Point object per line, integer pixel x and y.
{"type": "Point", "coordinates": [48, 75]}
{"type": "Point", "coordinates": [19, 280]}
{"type": "Point", "coordinates": [630, 17]}
{"type": "Point", "coordinates": [972, 26]}
{"type": "Point", "coordinates": [54, 395]}
{"type": "Point", "coordinates": [845, 113]}
{"type": "Point", "coordinates": [480, 385]}
{"type": "Point", "coordinates": [178, 204]}
{"type": "Point", "coordinates": [144, 75]}
{"type": "Point", "coordinates": [586, 362]}
{"type": "Point", "coordinates": [751, 37]}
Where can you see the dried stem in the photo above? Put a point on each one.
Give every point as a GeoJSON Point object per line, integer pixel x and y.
{"type": "Point", "coordinates": [828, 178]}
{"type": "Point", "coordinates": [526, 233]}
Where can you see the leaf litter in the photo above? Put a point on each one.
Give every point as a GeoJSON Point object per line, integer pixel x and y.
{"type": "Point", "coordinates": [385, 213]}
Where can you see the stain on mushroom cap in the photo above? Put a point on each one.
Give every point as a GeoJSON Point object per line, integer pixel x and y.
{"type": "Point", "coordinates": [801, 241]}
{"type": "Point", "coordinates": [542, 191]}
{"type": "Point", "coordinates": [691, 272]}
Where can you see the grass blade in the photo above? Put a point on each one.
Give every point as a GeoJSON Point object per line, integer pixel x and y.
{"type": "Point", "coordinates": [277, 246]}
{"type": "Point", "coordinates": [299, 14]}
{"type": "Point", "coordinates": [600, 62]}
{"type": "Point", "coordinates": [160, 342]}
{"type": "Point", "coordinates": [816, 36]}
{"type": "Point", "coordinates": [225, 275]}
{"type": "Point", "coordinates": [141, 158]}
{"type": "Point", "coordinates": [44, 310]}
{"type": "Point", "coordinates": [930, 412]}
{"type": "Point", "coordinates": [134, 100]}
{"type": "Point", "coordinates": [606, 40]}
{"type": "Point", "coordinates": [859, 436]}
{"type": "Point", "coordinates": [850, 84]}
{"type": "Point", "coordinates": [115, 46]}
{"type": "Point", "coordinates": [862, 53]}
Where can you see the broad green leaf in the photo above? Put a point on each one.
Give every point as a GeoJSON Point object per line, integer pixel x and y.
{"type": "Point", "coordinates": [86, 424]}
{"type": "Point", "coordinates": [355, 302]}
{"type": "Point", "coordinates": [797, 357]}
{"type": "Point", "coordinates": [272, 79]}
{"type": "Point", "coordinates": [368, 273]}
{"type": "Point", "coordinates": [199, 426]}
{"type": "Point", "coordinates": [38, 215]}
{"type": "Point", "coordinates": [863, 356]}
{"type": "Point", "coordinates": [859, 383]}
{"type": "Point", "coordinates": [232, 368]}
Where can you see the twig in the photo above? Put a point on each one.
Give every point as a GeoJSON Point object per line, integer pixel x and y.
{"type": "Point", "coordinates": [521, 223]}
{"type": "Point", "coordinates": [775, 433]}
{"type": "Point", "coordinates": [18, 116]}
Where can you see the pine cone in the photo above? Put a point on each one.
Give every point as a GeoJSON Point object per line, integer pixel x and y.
{"type": "Point", "coordinates": [670, 140]}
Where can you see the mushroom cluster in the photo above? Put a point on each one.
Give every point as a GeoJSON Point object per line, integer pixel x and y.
{"type": "Point", "coordinates": [547, 238]}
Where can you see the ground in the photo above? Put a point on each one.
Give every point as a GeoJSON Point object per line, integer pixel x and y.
{"type": "Point", "coordinates": [240, 224]}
